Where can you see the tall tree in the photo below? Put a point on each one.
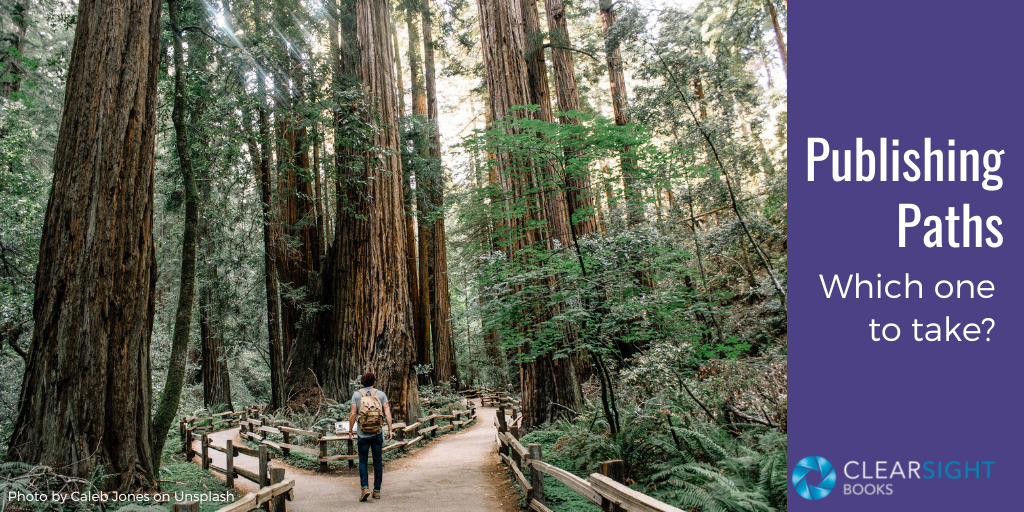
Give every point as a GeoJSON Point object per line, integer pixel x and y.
{"type": "Point", "coordinates": [259, 151]}
{"type": "Point", "coordinates": [419, 196]}
{"type": "Point", "coordinates": [620, 107]}
{"type": "Point", "coordinates": [441, 335]}
{"type": "Point", "coordinates": [552, 186]}
{"type": "Point", "coordinates": [86, 396]}
{"type": "Point", "coordinates": [579, 198]}
{"type": "Point", "coordinates": [299, 245]}
{"type": "Point", "coordinates": [169, 399]}
{"type": "Point", "coordinates": [367, 323]}
{"type": "Point", "coordinates": [213, 363]}
{"type": "Point", "coordinates": [544, 383]}
{"type": "Point", "coordinates": [298, 241]}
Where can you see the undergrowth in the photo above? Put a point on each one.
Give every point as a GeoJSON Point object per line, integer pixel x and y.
{"type": "Point", "coordinates": [695, 465]}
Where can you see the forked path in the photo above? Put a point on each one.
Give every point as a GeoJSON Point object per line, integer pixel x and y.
{"type": "Point", "coordinates": [459, 472]}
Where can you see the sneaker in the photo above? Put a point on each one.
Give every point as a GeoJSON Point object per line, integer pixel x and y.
{"type": "Point", "coordinates": [366, 494]}
{"type": "Point", "coordinates": [376, 495]}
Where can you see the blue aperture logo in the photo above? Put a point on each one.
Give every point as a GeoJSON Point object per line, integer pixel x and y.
{"type": "Point", "coordinates": [817, 468]}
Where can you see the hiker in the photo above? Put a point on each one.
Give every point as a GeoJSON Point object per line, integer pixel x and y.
{"type": "Point", "coordinates": [369, 405]}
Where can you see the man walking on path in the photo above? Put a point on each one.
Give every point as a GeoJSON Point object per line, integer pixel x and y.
{"type": "Point", "coordinates": [368, 403]}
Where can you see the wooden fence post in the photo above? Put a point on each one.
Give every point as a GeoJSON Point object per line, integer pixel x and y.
{"type": "Point", "coordinates": [287, 440]}
{"type": "Point", "coordinates": [323, 453]}
{"type": "Point", "coordinates": [615, 470]}
{"type": "Point", "coordinates": [276, 477]}
{"type": "Point", "coordinates": [351, 451]}
{"type": "Point", "coordinates": [536, 477]}
{"type": "Point", "coordinates": [229, 465]}
{"type": "Point", "coordinates": [514, 455]}
{"type": "Point", "coordinates": [502, 428]}
{"type": "Point", "coordinates": [186, 506]}
{"type": "Point", "coordinates": [264, 460]}
{"type": "Point", "coordinates": [205, 442]}
{"type": "Point", "coordinates": [188, 444]}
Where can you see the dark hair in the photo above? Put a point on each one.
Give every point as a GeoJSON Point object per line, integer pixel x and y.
{"type": "Point", "coordinates": [368, 379]}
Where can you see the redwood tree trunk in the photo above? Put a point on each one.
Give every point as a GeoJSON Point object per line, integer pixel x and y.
{"type": "Point", "coordinates": [552, 185]}
{"type": "Point", "coordinates": [299, 247]}
{"type": "Point", "coordinates": [620, 106]}
{"type": "Point", "coordinates": [419, 110]}
{"type": "Point", "coordinates": [259, 151]}
{"type": "Point", "coordinates": [579, 198]}
{"type": "Point", "coordinates": [270, 279]}
{"type": "Point", "coordinates": [86, 396]}
{"type": "Point", "coordinates": [441, 334]}
{"type": "Point", "coordinates": [368, 324]}
{"type": "Point", "coordinates": [504, 46]}
{"type": "Point", "coordinates": [214, 365]}
{"type": "Point", "coordinates": [299, 244]}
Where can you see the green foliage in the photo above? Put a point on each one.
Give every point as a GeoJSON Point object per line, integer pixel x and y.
{"type": "Point", "coordinates": [701, 466]}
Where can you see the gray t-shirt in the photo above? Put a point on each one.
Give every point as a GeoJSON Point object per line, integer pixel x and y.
{"type": "Point", "coordinates": [355, 401]}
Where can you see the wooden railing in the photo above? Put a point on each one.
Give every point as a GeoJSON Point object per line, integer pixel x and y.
{"type": "Point", "coordinates": [273, 489]}
{"type": "Point", "coordinates": [192, 426]}
{"type": "Point", "coordinates": [284, 438]}
{"type": "Point", "coordinates": [604, 489]}
{"type": "Point", "coordinates": [262, 477]}
{"type": "Point", "coordinates": [491, 398]}
{"type": "Point", "coordinates": [271, 498]}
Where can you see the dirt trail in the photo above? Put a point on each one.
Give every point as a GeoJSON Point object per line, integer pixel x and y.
{"type": "Point", "coordinates": [460, 472]}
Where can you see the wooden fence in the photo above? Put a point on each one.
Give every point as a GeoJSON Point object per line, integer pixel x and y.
{"type": "Point", "coordinates": [262, 477]}
{"type": "Point", "coordinates": [192, 426]}
{"type": "Point", "coordinates": [491, 398]}
{"type": "Point", "coordinates": [273, 489]}
{"type": "Point", "coordinates": [284, 438]}
{"type": "Point", "coordinates": [604, 489]}
{"type": "Point", "coordinates": [270, 498]}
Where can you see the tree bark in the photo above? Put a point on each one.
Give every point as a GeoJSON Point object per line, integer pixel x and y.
{"type": "Point", "coordinates": [171, 396]}
{"type": "Point", "coordinates": [299, 244]}
{"type": "Point", "coordinates": [423, 227]}
{"type": "Point", "coordinates": [259, 152]}
{"type": "Point", "coordinates": [543, 379]}
{"type": "Point", "coordinates": [552, 184]}
{"type": "Point", "coordinates": [321, 220]}
{"type": "Point", "coordinates": [368, 324]}
{"type": "Point", "coordinates": [441, 333]}
{"type": "Point", "coordinates": [620, 105]}
{"type": "Point", "coordinates": [270, 278]}
{"type": "Point", "coordinates": [214, 365]}
{"type": "Point", "coordinates": [86, 396]}
{"type": "Point", "coordinates": [579, 198]}
{"type": "Point", "coordinates": [398, 72]}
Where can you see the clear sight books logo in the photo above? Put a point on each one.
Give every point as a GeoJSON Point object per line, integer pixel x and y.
{"type": "Point", "coordinates": [821, 471]}
{"type": "Point", "coordinates": [814, 478]}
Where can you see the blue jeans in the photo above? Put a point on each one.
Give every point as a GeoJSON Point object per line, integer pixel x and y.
{"type": "Point", "coordinates": [365, 444]}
